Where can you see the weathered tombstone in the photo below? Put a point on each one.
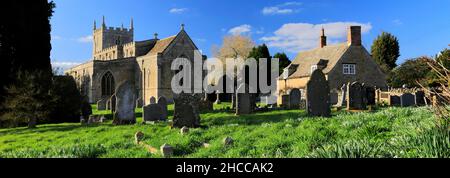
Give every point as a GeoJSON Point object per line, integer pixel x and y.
{"type": "Point", "coordinates": [294, 98]}
{"type": "Point", "coordinates": [318, 95]}
{"type": "Point", "coordinates": [166, 151]}
{"type": "Point", "coordinates": [334, 98]}
{"type": "Point", "coordinates": [162, 102]}
{"type": "Point", "coordinates": [285, 101]}
{"type": "Point", "coordinates": [356, 97]}
{"type": "Point", "coordinates": [205, 105]}
{"type": "Point", "coordinates": [152, 112]}
{"type": "Point", "coordinates": [101, 104]}
{"type": "Point", "coordinates": [243, 98]}
{"type": "Point", "coordinates": [139, 103]}
{"type": "Point", "coordinates": [407, 100]}
{"type": "Point", "coordinates": [302, 104]}
{"type": "Point", "coordinates": [228, 141]}
{"type": "Point", "coordinates": [108, 104]}
{"type": "Point", "coordinates": [420, 98]}
{"type": "Point", "coordinates": [113, 103]}
{"type": "Point", "coordinates": [394, 100]}
{"type": "Point", "coordinates": [370, 95]}
{"type": "Point", "coordinates": [186, 112]}
{"type": "Point", "coordinates": [138, 137]}
{"type": "Point", "coordinates": [94, 119]}
{"type": "Point", "coordinates": [86, 108]}
{"type": "Point", "coordinates": [152, 100]}
{"type": "Point", "coordinates": [184, 130]}
{"type": "Point", "coordinates": [342, 100]}
{"type": "Point", "coordinates": [125, 104]}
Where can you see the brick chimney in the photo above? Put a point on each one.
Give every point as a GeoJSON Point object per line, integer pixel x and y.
{"type": "Point", "coordinates": [323, 39]}
{"type": "Point", "coordinates": [354, 36]}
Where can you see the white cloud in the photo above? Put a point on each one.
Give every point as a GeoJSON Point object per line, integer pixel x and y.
{"type": "Point", "coordinates": [63, 65]}
{"type": "Point", "coordinates": [85, 39]}
{"type": "Point", "coordinates": [240, 30]}
{"type": "Point", "coordinates": [56, 37]}
{"type": "Point", "coordinates": [285, 8]}
{"type": "Point", "coordinates": [178, 10]}
{"type": "Point", "coordinates": [295, 37]}
{"type": "Point", "coordinates": [397, 22]}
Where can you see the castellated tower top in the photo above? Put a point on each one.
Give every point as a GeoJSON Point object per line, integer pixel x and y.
{"type": "Point", "coordinates": [106, 37]}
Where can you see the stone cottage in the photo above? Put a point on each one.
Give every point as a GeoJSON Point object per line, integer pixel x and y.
{"type": "Point", "coordinates": [341, 63]}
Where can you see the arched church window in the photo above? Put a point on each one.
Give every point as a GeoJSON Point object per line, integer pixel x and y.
{"type": "Point", "coordinates": [108, 84]}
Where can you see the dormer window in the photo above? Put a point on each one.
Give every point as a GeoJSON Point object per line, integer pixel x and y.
{"type": "Point", "coordinates": [314, 68]}
{"type": "Point", "coordinates": [349, 69]}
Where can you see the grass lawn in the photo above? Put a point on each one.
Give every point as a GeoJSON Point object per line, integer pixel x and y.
{"type": "Point", "coordinates": [387, 132]}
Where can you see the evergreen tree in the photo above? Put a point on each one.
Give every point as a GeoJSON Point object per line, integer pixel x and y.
{"type": "Point", "coordinates": [386, 51]}
{"type": "Point", "coordinates": [411, 72]}
{"type": "Point", "coordinates": [260, 52]}
{"type": "Point", "coordinates": [26, 100]}
{"type": "Point", "coordinates": [284, 61]}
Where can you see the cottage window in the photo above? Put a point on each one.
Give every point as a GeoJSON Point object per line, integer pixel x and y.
{"type": "Point", "coordinates": [349, 69]}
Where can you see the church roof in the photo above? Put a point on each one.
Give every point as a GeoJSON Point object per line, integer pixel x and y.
{"type": "Point", "coordinates": [306, 59]}
{"type": "Point", "coordinates": [161, 45]}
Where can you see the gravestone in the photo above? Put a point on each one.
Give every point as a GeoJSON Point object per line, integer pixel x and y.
{"type": "Point", "coordinates": [294, 99]}
{"type": "Point", "coordinates": [342, 100]}
{"type": "Point", "coordinates": [395, 100]}
{"type": "Point", "coordinates": [101, 104]}
{"type": "Point", "coordinates": [302, 104]}
{"type": "Point", "coordinates": [205, 105]}
{"type": "Point", "coordinates": [152, 100]}
{"type": "Point", "coordinates": [166, 150]}
{"type": "Point", "coordinates": [244, 104]}
{"type": "Point", "coordinates": [318, 95]}
{"type": "Point", "coordinates": [420, 98]}
{"type": "Point", "coordinates": [138, 137]}
{"type": "Point", "coordinates": [184, 130]}
{"type": "Point", "coordinates": [152, 112]}
{"type": "Point", "coordinates": [139, 103]}
{"type": "Point", "coordinates": [356, 97]}
{"type": "Point", "coordinates": [371, 96]}
{"type": "Point", "coordinates": [125, 104]}
{"type": "Point", "coordinates": [285, 101]}
{"type": "Point", "coordinates": [186, 112]}
{"type": "Point", "coordinates": [334, 98]}
{"type": "Point", "coordinates": [95, 119]}
{"type": "Point", "coordinates": [113, 103]}
{"type": "Point", "coordinates": [227, 141]}
{"type": "Point", "coordinates": [162, 102]}
{"type": "Point", "coordinates": [108, 104]}
{"type": "Point", "coordinates": [407, 100]}
{"type": "Point", "coordinates": [86, 108]}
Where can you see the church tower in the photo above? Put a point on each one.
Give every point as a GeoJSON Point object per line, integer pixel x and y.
{"type": "Point", "coordinates": [106, 37]}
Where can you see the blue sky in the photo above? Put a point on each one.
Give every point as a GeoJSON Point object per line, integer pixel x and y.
{"type": "Point", "coordinates": [423, 27]}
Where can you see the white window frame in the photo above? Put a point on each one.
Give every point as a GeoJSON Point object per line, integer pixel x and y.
{"type": "Point", "coordinates": [349, 69]}
{"type": "Point", "coordinates": [314, 68]}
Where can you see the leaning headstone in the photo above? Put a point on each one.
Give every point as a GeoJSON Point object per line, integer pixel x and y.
{"type": "Point", "coordinates": [205, 105]}
{"type": "Point", "coordinates": [334, 98]}
{"type": "Point", "coordinates": [228, 141]}
{"type": "Point", "coordinates": [243, 98]}
{"type": "Point", "coordinates": [101, 104]}
{"type": "Point", "coordinates": [285, 101]}
{"type": "Point", "coordinates": [184, 130]}
{"type": "Point", "coordinates": [152, 112]}
{"type": "Point", "coordinates": [125, 104]}
{"type": "Point", "coordinates": [356, 97]}
{"type": "Point", "coordinates": [370, 95]}
{"type": "Point", "coordinates": [407, 100]}
{"type": "Point", "coordinates": [138, 137]}
{"type": "Point", "coordinates": [395, 100]}
{"type": "Point", "coordinates": [166, 151]}
{"type": "Point", "coordinates": [318, 95]}
{"type": "Point", "coordinates": [113, 103]}
{"type": "Point", "coordinates": [342, 100]}
{"type": "Point", "coordinates": [152, 100]}
{"type": "Point", "coordinates": [162, 102]}
{"type": "Point", "coordinates": [186, 111]}
{"type": "Point", "coordinates": [139, 103]}
{"type": "Point", "coordinates": [294, 99]}
{"type": "Point", "coordinates": [420, 98]}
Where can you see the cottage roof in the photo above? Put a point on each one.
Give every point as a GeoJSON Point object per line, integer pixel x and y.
{"type": "Point", "coordinates": [328, 55]}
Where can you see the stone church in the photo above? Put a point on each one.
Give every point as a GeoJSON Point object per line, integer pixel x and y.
{"type": "Point", "coordinates": [117, 58]}
{"type": "Point", "coordinates": [341, 63]}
